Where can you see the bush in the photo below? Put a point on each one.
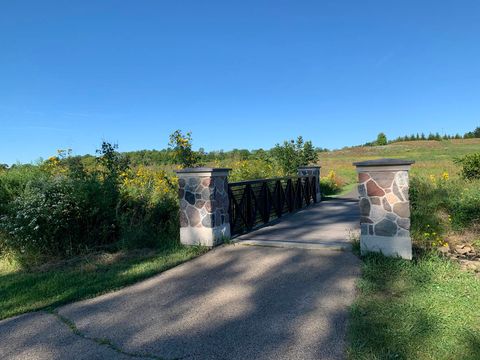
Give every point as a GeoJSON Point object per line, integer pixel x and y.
{"type": "Point", "coordinates": [331, 184]}
{"type": "Point", "coordinates": [293, 154]}
{"type": "Point", "coordinates": [60, 217]}
{"type": "Point", "coordinates": [470, 166]}
{"type": "Point", "coordinates": [60, 208]}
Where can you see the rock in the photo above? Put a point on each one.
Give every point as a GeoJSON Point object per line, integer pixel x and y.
{"type": "Point", "coordinates": [402, 209]}
{"type": "Point", "coordinates": [383, 179]}
{"type": "Point", "coordinates": [375, 200]}
{"type": "Point", "coordinates": [373, 189]}
{"type": "Point", "coordinates": [386, 228]}
{"type": "Point", "coordinates": [444, 250]}
{"type": "Point", "coordinates": [190, 197]}
{"type": "Point", "coordinates": [364, 207]}
{"type": "Point", "coordinates": [386, 205]}
{"type": "Point", "coordinates": [397, 192]}
{"type": "Point", "coordinates": [404, 223]}
{"type": "Point", "coordinates": [362, 191]}
{"type": "Point", "coordinates": [460, 249]}
{"type": "Point", "coordinates": [193, 216]}
{"type": "Point", "coordinates": [362, 177]}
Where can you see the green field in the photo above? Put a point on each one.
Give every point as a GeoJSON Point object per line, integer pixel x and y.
{"type": "Point", "coordinates": [431, 157]}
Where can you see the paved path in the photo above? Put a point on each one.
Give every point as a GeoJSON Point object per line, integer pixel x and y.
{"type": "Point", "coordinates": [235, 302]}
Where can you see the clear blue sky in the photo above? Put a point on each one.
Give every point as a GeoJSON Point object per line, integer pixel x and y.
{"type": "Point", "coordinates": [238, 74]}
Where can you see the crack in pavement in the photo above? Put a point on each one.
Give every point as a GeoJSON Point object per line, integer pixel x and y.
{"type": "Point", "coordinates": [103, 341]}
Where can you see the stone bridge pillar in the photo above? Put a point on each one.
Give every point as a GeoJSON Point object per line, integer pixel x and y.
{"type": "Point", "coordinates": [312, 171]}
{"type": "Point", "coordinates": [385, 207]}
{"type": "Point", "coordinates": [204, 206]}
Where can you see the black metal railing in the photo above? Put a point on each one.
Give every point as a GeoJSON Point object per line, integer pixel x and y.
{"type": "Point", "coordinates": [257, 202]}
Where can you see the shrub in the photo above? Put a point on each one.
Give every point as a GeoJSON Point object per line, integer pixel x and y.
{"type": "Point", "coordinates": [331, 184]}
{"type": "Point", "coordinates": [470, 166]}
{"type": "Point", "coordinates": [59, 216]}
{"type": "Point", "coordinates": [254, 169]}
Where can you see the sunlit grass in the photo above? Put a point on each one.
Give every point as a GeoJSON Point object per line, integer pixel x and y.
{"type": "Point", "coordinates": [422, 309]}
{"type": "Point", "coordinates": [29, 290]}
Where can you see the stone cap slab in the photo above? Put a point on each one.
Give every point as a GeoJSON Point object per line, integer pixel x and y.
{"type": "Point", "coordinates": [203, 171]}
{"type": "Point", "coordinates": [309, 167]}
{"type": "Point", "coordinates": [384, 162]}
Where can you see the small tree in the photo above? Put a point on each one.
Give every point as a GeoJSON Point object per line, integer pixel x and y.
{"type": "Point", "coordinates": [182, 149]}
{"type": "Point", "coordinates": [381, 139]}
{"type": "Point", "coordinates": [470, 166]}
{"type": "Point", "coordinates": [293, 154]}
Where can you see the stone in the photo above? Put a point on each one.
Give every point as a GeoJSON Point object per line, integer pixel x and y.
{"type": "Point", "coordinates": [384, 179]}
{"type": "Point", "coordinates": [190, 197]}
{"type": "Point", "coordinates": [207, 194]}
{"type": "Point", "coordinates": [193, 216]}
{"type": "Point", "coordinates": [376, 213]}
{"type": "Point", "coordinates": [209, 221]}
{"type": "Point", "coordinates": [183, 219]}
{"type": "Point", "coordinates": [397, 192]}
{"type": "Point", "coordinates": [207, 181]}
{"type": "Point", "coordinates": [183, 204]}
{"type": "Point", "coordinates": [373, 189]}
{"type": "Point", "coordinates": [386, 205]}
{"type": "Point", "coordinates": [364, 207]}
{"type": "Point", "coordinates": [193, 182]}
{"type": "Point", "coordinates": [181, 193]}
{"type": "Point", "coordinates": [443, 250]}
{"type": "Point", "coordinates": [461, 249]}
{"type": "Point", "coordinates": [365, 219]}
{"type": "Point", "coordinates": [391, 198]}
{"type": "Point", "coordinates": [402, 209]}
{"type": "Point", "coordinates": [370, 230]}
{"type": "Point", "coordinates": [404, 223]}
{"type": "Point", "coordinates": [362, 177]}
{"type": "Point", "coordinates": [198, 196]}
{"type": "Point", "coordinates": [375, 200]}
{"type": "Point", "coordinates": [364, 229]}
{"type": "Point", "coordinates": [386, 228]}
{"type": "Point", "coordinates": [403, 233]}
{"type": "Point", "coordinates": [401, 178]}
{"type": "Point", "coordinates": [203, 212]}
{"type": "Point", "coordinates": [217, 217]}
{"type": "Point", "coordinates": [362, 191]}
{"type": "Point", "coordinates": [199, 204]}
{"type": "Point", "coordinates": [181, 183]}
{"type": "Point", "coordinates": [391, 216]}
{"type": "Point", "coordinates": [208, 206]}
{"type": "Point", "coordinates": [404, 191]}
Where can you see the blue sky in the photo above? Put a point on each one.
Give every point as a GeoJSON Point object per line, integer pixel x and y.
{"type": "Point", "coordinates": [238, 74]}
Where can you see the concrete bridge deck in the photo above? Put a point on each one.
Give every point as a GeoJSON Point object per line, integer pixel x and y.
{"type": "Point", "coordinates": [329, 224]}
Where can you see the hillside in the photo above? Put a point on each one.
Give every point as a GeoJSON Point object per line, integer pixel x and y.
{"type": "Point", "coordinates": [431, 157]}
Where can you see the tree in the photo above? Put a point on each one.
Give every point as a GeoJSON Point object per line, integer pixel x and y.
{"type": "Point", "coordinates": [293, 154]}
{"type": "Point", "coordinates": [381, 139]}
{"type": "Point", "coordinates": [182, 148]}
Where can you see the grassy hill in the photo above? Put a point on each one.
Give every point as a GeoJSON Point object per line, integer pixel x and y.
{"type": "Point", "coordinates": [431, 157]}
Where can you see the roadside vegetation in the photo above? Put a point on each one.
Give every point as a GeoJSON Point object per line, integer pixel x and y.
{"type": "Point", "coordinates": [427, 308]}
{"type": "Point", "coordinates": [74, 227]}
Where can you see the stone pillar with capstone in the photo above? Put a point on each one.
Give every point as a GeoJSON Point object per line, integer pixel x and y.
{"type": "Point", "coordinates": [385, 207]}
{"type": "Point", "coordinates": [312, 171]}
{"type": "Point", "coordinates": [204, 206]}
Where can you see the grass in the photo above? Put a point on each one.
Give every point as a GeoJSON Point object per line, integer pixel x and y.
{"type": "Point", "coordinates": [422, 309]}
{"type": "Point", "coordinates": [28, 290]}
{"type": "Point", "coordinates": [431, 157]}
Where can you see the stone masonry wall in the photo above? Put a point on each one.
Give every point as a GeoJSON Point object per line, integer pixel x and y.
{"type": "Point", "coordinates": [384, 203]}
{"type": "Point", "coordinates": [203, 201]}
{"type": "Point", "coordinates": [312, 171]}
